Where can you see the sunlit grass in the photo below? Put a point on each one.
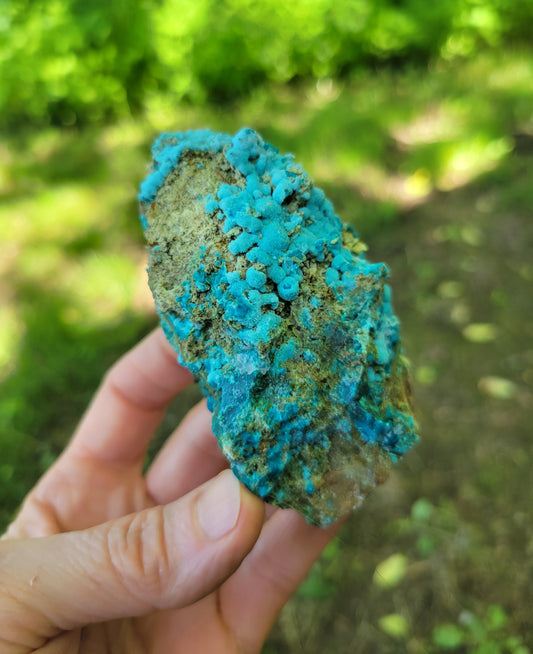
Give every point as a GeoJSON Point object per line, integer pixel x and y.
{"type": "Point", "coordinates": [11, 332]}
{"type": "Point", "coordinates": [53, 214]}
{"type": "Point", "coordinates": [102, 286]}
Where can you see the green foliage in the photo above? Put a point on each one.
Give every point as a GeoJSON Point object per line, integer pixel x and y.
{"type": "Point", "coordinates": [69, 61]}
{"type": "Point", "coordinates": [448, 636]}
{"type": "Point", "coordinates": [395, 625]}
{"type": "Point", "coordinates": [486, 635]}
{"type": "Point", "coordinates": [320, 585]}
{"type": "Point", "coordinates": [390, 572]}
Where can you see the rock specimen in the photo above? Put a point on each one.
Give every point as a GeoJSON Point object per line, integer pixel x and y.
{"type": "Point", "coordinates": [268, 299]}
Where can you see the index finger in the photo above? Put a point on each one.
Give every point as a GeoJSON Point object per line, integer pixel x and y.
{"type": "Point", "coordinates": [130, 403]}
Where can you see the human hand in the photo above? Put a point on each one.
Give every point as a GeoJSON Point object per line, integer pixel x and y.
{"type": "Point", "coordinates": [182, 559]}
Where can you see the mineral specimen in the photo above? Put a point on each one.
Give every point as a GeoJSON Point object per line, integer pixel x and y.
{"type": "Point", "coordinates": [268, 299]}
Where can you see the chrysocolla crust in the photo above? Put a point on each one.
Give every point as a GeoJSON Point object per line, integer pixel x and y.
{"type": "Point", "coordinates": [269, 300]}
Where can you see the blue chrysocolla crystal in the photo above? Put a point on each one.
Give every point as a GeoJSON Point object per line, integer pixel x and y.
{"type": "Point", "coordinates": [269, 300]}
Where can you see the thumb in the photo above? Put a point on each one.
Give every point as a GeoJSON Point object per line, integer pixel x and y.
{"type": "Point", "coordinates": [160, 558]}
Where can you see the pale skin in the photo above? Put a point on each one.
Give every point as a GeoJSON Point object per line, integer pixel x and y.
{"type": "Point", "coordinates": [103, 558]}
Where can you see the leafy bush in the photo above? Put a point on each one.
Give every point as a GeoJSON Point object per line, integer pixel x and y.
{"type": "Point", "coordinates": [67, 61]}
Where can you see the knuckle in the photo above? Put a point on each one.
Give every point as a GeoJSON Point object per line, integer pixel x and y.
{"type": "Point", "coordinates": [138, 554]}
{"type": "Point", "coordinates": [38, 517]}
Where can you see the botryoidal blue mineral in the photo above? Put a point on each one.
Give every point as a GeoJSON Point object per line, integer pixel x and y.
{"type": "Point", "coordinates": [269, 300]}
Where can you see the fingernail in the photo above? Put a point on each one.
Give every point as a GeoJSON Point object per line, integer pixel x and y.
{"type": "Point", "coordinates": [219, 505]}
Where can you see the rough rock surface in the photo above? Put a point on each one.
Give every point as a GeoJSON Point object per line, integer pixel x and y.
{"type": "Point", "coordinates": [269, 300]}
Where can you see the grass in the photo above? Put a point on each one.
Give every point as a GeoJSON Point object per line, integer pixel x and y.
{"type": "Point", "coordinates": [434, 168]}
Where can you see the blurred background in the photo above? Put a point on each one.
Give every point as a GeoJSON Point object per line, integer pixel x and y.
{"type": "Point", "coordinates": [417, 120]}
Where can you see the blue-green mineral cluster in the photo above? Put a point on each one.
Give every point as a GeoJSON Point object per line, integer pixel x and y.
{"type": "Point", "coordinates": [269, 300]}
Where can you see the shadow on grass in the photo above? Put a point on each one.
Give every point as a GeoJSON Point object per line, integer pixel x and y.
{"type": "Point", "coordinates": [59, 365]}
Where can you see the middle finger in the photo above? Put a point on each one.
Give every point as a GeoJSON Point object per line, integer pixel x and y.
{"type": "Point", "coordinates": [189, 458]}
